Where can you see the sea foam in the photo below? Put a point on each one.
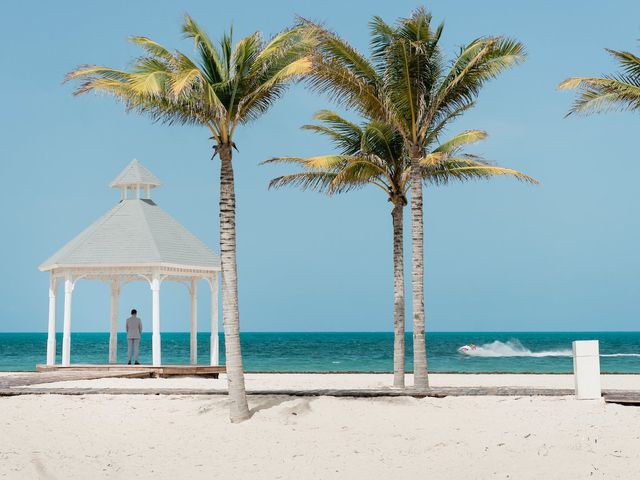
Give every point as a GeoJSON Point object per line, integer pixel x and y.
{"type": "Point", "coordinates": [512, 348]}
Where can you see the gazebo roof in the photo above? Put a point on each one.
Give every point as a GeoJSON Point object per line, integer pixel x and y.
{"type": "Point", "coordinates": [135, 233]}
{"type": "Point", "coordinates": [135, 174]}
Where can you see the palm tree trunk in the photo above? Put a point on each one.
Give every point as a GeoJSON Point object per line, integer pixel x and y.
{"type": "Point", "coordinates": [398, 296]}
{"type": "Point", "coordinates": [421, 379]}
{"type": "Point", "coordinates": [239, 409]}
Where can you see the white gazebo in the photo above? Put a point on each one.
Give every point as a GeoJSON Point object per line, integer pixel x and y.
{"type": "Point", "coordinates": [134, 241]}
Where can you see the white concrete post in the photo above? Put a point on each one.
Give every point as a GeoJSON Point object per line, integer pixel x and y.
{"type": "Point", "coordinates": [194, 321]}
{"type": "Point", "coordinates": [215, 347]}
{"type": "Point", "coordinates": [155, 313]}
{"type": "Point", "coordinates": [51, 336]}
{"type": "Point", "coordinates": [586, 369]}
{"type": "Point", "coordinates": [66, 329]}
{"type": "Point", "coordinates": [113, 332]}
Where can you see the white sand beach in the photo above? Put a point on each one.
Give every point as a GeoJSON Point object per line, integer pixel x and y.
{"type": "Point", "coordinates": [189, 436]}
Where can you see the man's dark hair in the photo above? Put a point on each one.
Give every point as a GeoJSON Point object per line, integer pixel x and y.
{"type": "Point", "coordinates": [134, 312]}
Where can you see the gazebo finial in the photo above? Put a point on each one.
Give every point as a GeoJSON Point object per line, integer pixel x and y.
{"type": "Point", "coordinates": [135, 178]}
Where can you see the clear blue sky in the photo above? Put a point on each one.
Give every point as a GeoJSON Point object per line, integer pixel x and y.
{"type": "Point", "coordinates": [499, 255]}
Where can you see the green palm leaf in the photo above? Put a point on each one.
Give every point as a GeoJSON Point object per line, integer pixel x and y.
{"type": "Point", "coordinates": [152, 48]}
{"type": "Point", "coordinates": [453, 145]}
{"type": "Point", "coordinates": [608, 93]}
{"type": "Point", "coordinates": [319, 181]}
{"type": "Point", "coordinates": [467, 167]}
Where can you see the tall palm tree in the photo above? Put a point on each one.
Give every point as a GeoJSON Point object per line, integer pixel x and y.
{"type": "Point", "coordinates": [409, 85]}
{"type": "Point", "coordinates": [225, 86]}
{"type": "Point", "coordinates": [373, 153]}
{"type": "Point", "coordinates": [620, 91]}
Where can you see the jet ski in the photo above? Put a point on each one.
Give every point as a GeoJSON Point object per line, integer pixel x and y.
{"type": "Point", "coordinates": [467, 348]}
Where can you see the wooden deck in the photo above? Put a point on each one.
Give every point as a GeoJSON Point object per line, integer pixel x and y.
{"type": "Point", "coordinates": [161, 371]}
{"type": "Point", "coordinates": [623, 398]}
{"type": "Point", "coordinates": [22, 384]}
{"type": "Point", "coordinates": [18, 388]}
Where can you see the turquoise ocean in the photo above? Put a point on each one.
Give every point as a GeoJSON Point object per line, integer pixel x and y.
{"type": "Point", "coordinates": [534, 352]}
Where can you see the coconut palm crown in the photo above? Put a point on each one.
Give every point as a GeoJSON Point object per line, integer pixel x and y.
{"type": "Point", "coordinates": [373, 153]}
{"type": "Point", "coordinates": [409, 85]}
{"type": "Point", "coordinates": [619, 91]}
{"type": "Point", "coordinates": [225, 85]}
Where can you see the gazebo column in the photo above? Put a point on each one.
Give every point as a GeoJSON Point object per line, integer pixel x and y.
{"type": "Point", "coordinates": [113, 332]}
{"type": "Point", "coordinates": [215, 347]}
{"type": "Point", "coordinates": [194, 321]}
{"type": "Point", "coordinates": [66, 330]}
{"type": "Point", "coordinates": [155, 314]}
{"type": "Point", "coordinates": [51, 336]}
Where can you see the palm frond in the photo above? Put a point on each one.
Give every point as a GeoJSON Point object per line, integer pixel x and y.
{"type": "Point", "coordinates": [149, 77]}
{"type": "Point", "coordinates": [597, 95]}
{"type": "Point", "coordinates": [296, 37]}
{"type": "Point", "coordinates": [345, 135]}
{"type": "Point", "coordinates": [384, 144]}
{"type": "Point", "coordinates": [468, 167]}
{"type": "Point", "coordinates": [152, 48]}
{"type": "Point", "coordinates": [211, 59]}
{"type": "Point", "coordinates": [357, 174]}
{"type": "Point", "coordinates": [92, 76]}
{"type": "Point", "coordinates": [478, 62]}
{"type": "Point", "coordinates": [259, 100]}
{"type": "Point", "coordinates": [345, 88]}
{"type": "Point", "coordinates": [317, 163]}
{"type": "Point", "coordinates": [319, 181]}
{"type": "Point", "coordinates": [629, 62]}
{"type": "Point", "coordinates": [244, 54]}
{"type": "Point", "coordinates": [369, 154]}
{"type": "Point", "coordinates": [342, 73]}
{"type": "Point", "coordinates": [442, 119]}
{"type": "Point", "coordinates": [453, 145]}
{"type": "Point", "coordinates": [185, 75]}
{"type": "Point", "coordinates": [382, 35]}
{"type": "Point", "coordinates": [338, 123]}
{"type": "Point", "coordinates": [334, 48]}
{"type": "Point", "coordinates": [610, 92]}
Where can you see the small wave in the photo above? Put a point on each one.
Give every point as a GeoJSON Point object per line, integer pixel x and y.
{"type": "Point", "coordinates": [620, 354]}
{"type": "Point", "coordinates": [512, 348]}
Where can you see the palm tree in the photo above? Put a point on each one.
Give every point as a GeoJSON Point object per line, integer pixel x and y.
{"type": "Point", "coordinates": [373, 153]}
{"type": "Point", "coordinates": [226, 85]}
{"type": "Point", "coordinates": [409, 85]}
{"type": "Point", "coordinates": [611, 92]}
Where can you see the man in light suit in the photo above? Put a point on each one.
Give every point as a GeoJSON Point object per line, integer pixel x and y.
{"type": "Point", "coordinates": [134, 329]}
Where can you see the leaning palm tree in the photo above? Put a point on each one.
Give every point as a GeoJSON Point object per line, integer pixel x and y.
{"type": "Point", "coordinates": [620, 91]}
{"type": "Point", "coordinates": [373, 153]}
{"type": "Point", "coordinates": [409, 85]}
{"type": "Point", "coordinates": [225, 86]}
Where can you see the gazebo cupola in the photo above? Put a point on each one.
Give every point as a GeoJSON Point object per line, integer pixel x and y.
{"type": "Point", "coordinates": [134, 241]}
{"type": "Point", "coordinates": [135, 181]}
